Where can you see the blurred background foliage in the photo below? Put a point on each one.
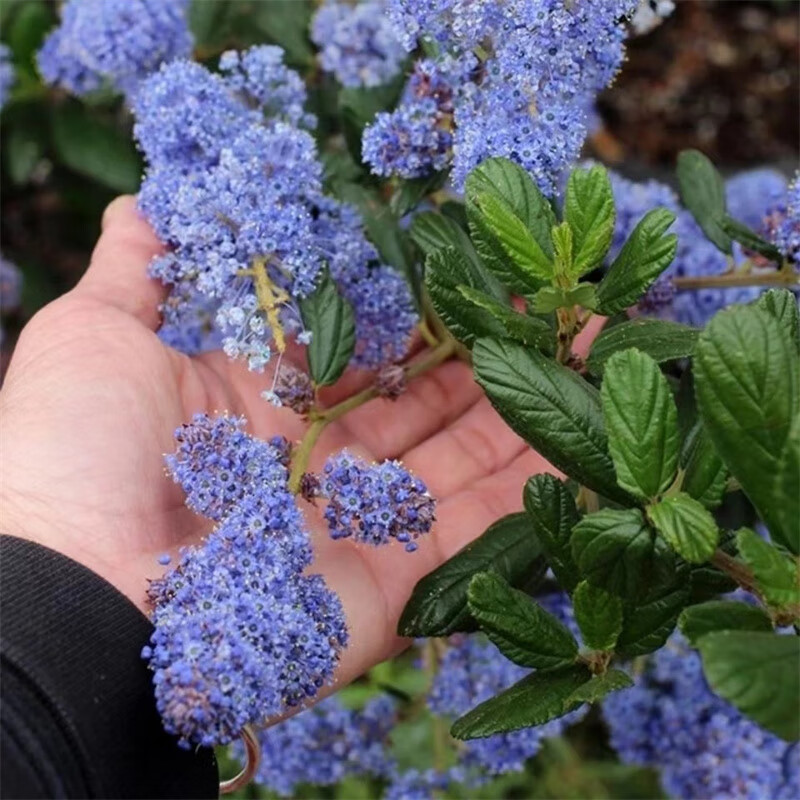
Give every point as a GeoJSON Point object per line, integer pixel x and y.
{"type": "Point", "coordinates": [719, 76]}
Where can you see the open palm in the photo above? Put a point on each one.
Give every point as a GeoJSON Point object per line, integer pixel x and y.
{"type": "Point", "coordinates": [92, 398]}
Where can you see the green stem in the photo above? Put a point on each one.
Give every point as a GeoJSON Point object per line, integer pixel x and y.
{"type": "Point", "coordinates": [321, 419]}
{"type": "Point", "coordinates": [782, 277]}
{"type": "Point", "coordinates": [568, 328]}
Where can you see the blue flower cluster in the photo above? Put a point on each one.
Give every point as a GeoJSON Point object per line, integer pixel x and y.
{"type": "Point", "coordinates": [473, 670]}
{"type": "Point", "coordinates": [234, 186]}
{"type": "Point", "coordinates": [6, 74]}
{"type": "Point", "coordinates": [324, 744]}
{"type": "Point", "coordinates": [783, 224]}
{"type": "Point", "coordinates": [357, 42]}
{"type": "Point", "coordinates": [241, 631]}
{"type": "Point", "coordinates": [375, 503]}
{"type": "Point", "coordinates": [749, 197]}
{"type": "Point", "coordinates": [650, 14]}
{"type": "Point", "coordinates": [116, 42]}
{"type": "Point", "coordinates": [415, 784]}
{"type": "Point", "coordinates": [527, 95]}
{"type": "Point", "coordinates": [703, 746]}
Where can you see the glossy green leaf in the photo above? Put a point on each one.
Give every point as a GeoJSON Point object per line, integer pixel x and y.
{"type": "Point", "coordinates": [747, 381]}
{"type": "Point", "coordinates": [642, 423]}
{"type": "Point", "coordinates": [703, 193]}
{"type": "Point", "coordinates": [600, 686]}
{"type": "Point", "coordinates": [783, 305]}
{"type": "Point", "coordinates": [748, 238]}
{"type": "Point", "coordinates": [705, 475]}
{"type": "Point", "coordinates": [777, 575]}
{"type": "Point", "coordinates": [285, 22]}
{"type": "Point", "coordinates": [759, 673]}
{"type": "Point", "coordinates": [330, 319]}
{"type": "Point", "coordinates": [438, 604]}
{"type": "Point", "coordinates": [660, 339]}
{"type": "Point", "coordinates": [687, 525]}
{"type": "Point", "coordinates": [598, 614]}
{"type": "Point", "coordinates": [539, 697]}
{"type": "Point", "coordinates": [616, 550]}
{"type": "Point", "coordinates": [518, 626]}
{"type": "Point", "coordinates": [648, 251]}
{"type": "Point", "coordinates": [589, 210]}
{"type": "Point", "coordinates": [552, 510]}
{"type": "Point", "coordinates": [551, 407]}
{"type": "Point", "coordinates": [563, 246]}
{"type": "Point", "coordinates": [721, 615]}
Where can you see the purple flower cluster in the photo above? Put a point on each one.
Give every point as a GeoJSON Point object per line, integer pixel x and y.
{"type": "Point", "coordinates": [357, 43]}
{"type": "Point", "coordinates": [472, 671]}
{"type": "Point", "coordinates": [234, 186]}
{"type": "Point", "coordinates": [703, 746]}
{"type": "Point", "coordinates": [241, 631]}
{"type": "Point", "coordinates": [526, 96]}
{"type": "Point", "coordinates": [749, 197]}
{"type": "Point", "coordinates": [118, 42]}
{"type": "Point", "coordinates": [375, 503]}
{"type": "Point", "coordinates": [415, 784]}
{"type": "Point", "coordinates": [324, 744]}
{"type": "Point", "coordinates": [6, 74]}
{"type": "Point", "coordinates": [783, 224]}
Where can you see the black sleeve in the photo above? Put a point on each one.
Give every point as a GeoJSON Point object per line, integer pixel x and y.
{"type": "Point", "coordinates": [77, 713]}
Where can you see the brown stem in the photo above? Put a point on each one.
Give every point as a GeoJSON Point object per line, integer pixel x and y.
{"type": "Point", "coordinates": [734, 569]}
{"type": "Point", "coordinates": [778, 278]}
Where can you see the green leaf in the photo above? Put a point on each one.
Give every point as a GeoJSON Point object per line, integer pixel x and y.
{"type": "Point", "coordinates": [520, 628]}
{"type": "Point", "coordinates": [584, 294]}
{"type": "Point", "coordinates": [748, 238]}
{"type": "Point", "coordinates": [597, 688]}
{"type": "Point", "coordinates": [95, 149]}
{"type": "Point", "coordinates": [432, 231]}
{"type": "Point", "coordinates": [552, 510]}
{"type": "Point", "coordinates": [552, 408]}
{"type": "Point", "coordinates": [777, 576]}
{"type": "Point", "coordinates": [438, 604]}
{"type": "Point", "coordinates": [330, 319]}
{"type": "Point", "coordinates": [525, 258]}
{"type": "Point", "coordinates": [562, 247]}
{"type": "Point", "coordinates": [782, 304]}
{"type": "Point", "coordinates": [687, 525]}
{"type": "Point", "coordinates": [539, 697]}
{"type": "Point", "coordinates": [705, 475]}
{"type": "Point", "coordinates": [525, 329]}
{"type": "Point", "coordinates": [23, 148]}
{"type": "Point", "coordinates": [512, 184]}
{"type": "Point", "coordinates": [599, 616]}
{"type": "Point", "coordinates": [747, 381]}
{"type": "Point", "coordinates": [642, 423]}
{"type": "Point", "coordinates": [589, 210]}
{"type": "Point", "coordinates": [447, 271]}
{"type": "Point", "coordinates": [615, 550]}
{"type": "Point", "coordinates": [411, 193]}
{"type": "Point", "coordinates": [721, 615]}
{"type": "Point", "coordinates": [650, 620]}
{"type": "Point", "coordinates": [759, 673]}
{"type": "Point", "coordinates": [646, 254]}
{"type": "Point", "coordinates": [27, 30]}
{"type": "Point", "coordinates": [709, 582]}
{"type": "Point", "coordinates": [359, 106]}
{"type": "Point", "coordinates": [205, 19]}
{"type": "Point", "coordinates": [286, 23]}
{"type": "Point", "coordinates": [703, 193]}
{"type": "Point", "coordinates": [659, 339]}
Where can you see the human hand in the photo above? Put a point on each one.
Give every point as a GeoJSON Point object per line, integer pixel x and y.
{"type": "Point", "coordinates": [91, 401]}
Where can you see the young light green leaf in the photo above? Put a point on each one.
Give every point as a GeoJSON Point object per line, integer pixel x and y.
{"type": "Point", "coordinates": [589, 210]}
{"type": "Point", "coordinates": [615, 550]}
{"type": "Point", "coordinates": [520, 628]}
{"type": "Point", "coordinates": [552, 510]}
{"type": "Point", "coordinates": [687, 525]}
{"type": "Point", "coordinates": [525, 329]}
{"type": "Point", "coordinates": [598, 614]}
{"type": "Point", "coordinates": [541, 696]}
{"type": "Point", "coordinates": [330, 319]}
{"type": "Point", "coordinates": [703, 193]}
{"type": "Point", "coordinates": [445, 271]}
{"type": "Point", "coordinates": [548, 299]}
{"type": "Point", "coordinates": [777, 575]}
{"type": "Point", "coordinates": [649, 621]}
{"type": "Point", "coordinates": [552, 408]}
{"type": "Point", "coordinates": [438, 604]}
{"type": "Point", "coordinates": [646, 254]}
{"type": "Point", "coordinates": [660, 339]}
{"type": "Point", "coordinates": [705, 475]}
{"type": "Point", "coordinates": [721, 615]}
{"type": "Point", "coordinates": [597, 688]}
{"type": "Point", "coordinates": [782, 304]}
{"type": "Point", "coordinates": [759, 673]}
{"type": "Point", "coordinates": [642, 423]}
{"type": "Point", "coordinates": [562, 247]}
{"type": "Point", "coordinates": [584, 295]}
{"type": "Point", "coordinates": [748, 238]}
{"type": "Point", "coordinates": [525, 257]}
{"type": "Point", "coordinates": [747, 381]}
